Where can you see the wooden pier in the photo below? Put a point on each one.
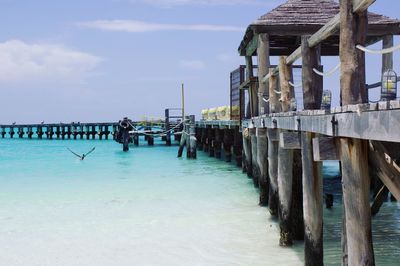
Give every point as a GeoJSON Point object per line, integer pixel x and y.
{"type": "Point", "coordinates": [282, 149]}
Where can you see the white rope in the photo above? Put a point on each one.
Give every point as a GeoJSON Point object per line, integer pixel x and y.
{"type": "Point", "coordinates": [383, 51]}
{"type": "Point", "coordinates": [164, 133]}
{"type": "Point", "coordinates": [265, 100]}
{"type": "Point", "coordinates": [295, 85]}
{"type": "Point", "coordinates": [277, 92]}
{"type": "Point", "coordinates": [327, 74]}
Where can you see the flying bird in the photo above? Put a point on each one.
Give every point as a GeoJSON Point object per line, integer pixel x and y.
{"type": "Point", "coordinates": [83, 156]}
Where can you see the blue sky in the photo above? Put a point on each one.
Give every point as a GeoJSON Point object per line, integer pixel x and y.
{"type": "Point", "coordinates": [105, 59]}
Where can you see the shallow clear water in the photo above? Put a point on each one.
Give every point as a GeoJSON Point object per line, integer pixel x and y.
{"type": "Point", "coordinates": [145, 207]}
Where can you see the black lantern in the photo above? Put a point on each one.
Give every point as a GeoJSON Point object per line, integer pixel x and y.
{"type": "Point", "coordinates": [326, 100]}
{"type": "Point", "coordinates": [389, 86]}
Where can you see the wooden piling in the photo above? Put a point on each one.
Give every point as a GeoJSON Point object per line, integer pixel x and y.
{"type": "Point", "coordinates": [210, 141]}
{"type": "Point", "coordinates": [30, 132]}
{"type": "Point", "coordinates": [262, 161]}
{"type": "Point", "coordinates": [247, 166]}
{"type": "Point", "coordinates": [238, 146]}
{"type": "Point", "coordinates": [312, 203]}
{"type": "Point", "coordinates": [227, 144]}
{"type": "Point", "coordinates": [12, 132]}
{"type": "Point", "coordinates": [255, 170]}
{"type": "Point", "coordinates": [217, 143]}
{"type": "Point", "coordinates": [354, 152]}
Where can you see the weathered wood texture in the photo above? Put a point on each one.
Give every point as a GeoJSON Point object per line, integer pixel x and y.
{"type": "Point", "coordinates": [312, 203]}
{"type": "Point", "coordinates": [262, 161]}
{"type": "Point", "coordinates": [354, 152]}
{"type": "Point", "coordinates": [287, 91]}
{"type": "Point", "coordinates": [312, 82]}
{"type": "Point", "coordinates": [325, 149]}
{"type": "Point", "coordinates": [247, 161]}
{"type": "Point", "coordinates": [387, 59]}
{"type": "Point", "coordinates": [297, 197]}
{"type": "Point", "coordinates": [379, 200]}
{"type": "Point", "coordinates": [253, 97]}
{"type": "Point", "coordinates": [256, 169]}
{"type": "Point", "coordinates": [263, 69]}
{"type": "Point", "coordinates": [352, 32]}
{"type": "Point", "coordinates": [386, 167]}
{"type": "Point", "coordinates": [273, 149]}
{"type": "Point", "coordinates": [285, 183]}
{"type": "Point", "coordinates": [356, 183]}
{"type": "Point", "coordinates": [289, 140]}
{"type": "Point", "coordinates": [274, 105]}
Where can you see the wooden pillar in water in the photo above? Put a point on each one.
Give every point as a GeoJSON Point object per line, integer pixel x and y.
{"type": "Point", "coordinates": [58, 132]}
{"type": "Point", "coordinates": [40, 132]}
{"type": "Point", "coordinates": [63, 132]}
{"type": "Point", "coordinates": [273, 147]}
{"type": "Point", "coordinates": [30, 132]}
{"type": "Point", "coordinates": [3, 132]}
{"type": "Point", "coordinates": [312, 176]}
{"type": "Point", "coordinates": [217, 143]}
{"type": "Point", "coordinates": [262, 141]}
{"type": "Point", "coordinates": [21, 132]}
{"type": "Point", "coordinates": [238, 146]}
{"type": "Point", "coordinates": [227, 144]}
{"type": "Point", "coordinates": [353, 152]}
{"type": "Point", "coordinates": [210, 141]}
{"type": "Point", "coordinates": [285, 162]}
{"type": "Point", "coordinates": [12, 132]}
{"type": "Point", "coordinates": [255, 170]}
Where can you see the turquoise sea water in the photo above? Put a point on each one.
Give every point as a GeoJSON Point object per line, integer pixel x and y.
{"type": "Point", "coordinates": [146, 207]}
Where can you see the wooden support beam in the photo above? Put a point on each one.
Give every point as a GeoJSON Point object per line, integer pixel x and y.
{"type": "Point", "coordinates": [354, 152]}
{"type": "Point", "coordinates": [361, 5]}
{"type": "Point", "coordinates": [387, 59]}
{"type": "Point", "coordinates": [254, 164]}
{"type": "Point", "coordinates": [273, 149]}
{"type": "Point", "coordinates": [385, 167]}
{"type": "Point", "coordinates": [262, 161]}
{"type": "Point", "coordinates": [247, 161]}
{"type": "Point", "coordinates": [312, 203]}
{"type": "Point", "coordinates": [325, 149]}
{"type": "Point", "coordinates": [274, 105]}
{"type": "Point", "coordinates": [379, 200]}
{"type": "Point", "coordinates": [252, 46]}
{"type": "Point", "coordinates": [253, 97]}
{"type": "Point", "coordinates": [312, 82]}
{"type": "Point", "coordinates": [263, 69]}
{"type": "Point", "coordinates": [289, 140]}
{"type": "Point", "coordinates": [287, 91]}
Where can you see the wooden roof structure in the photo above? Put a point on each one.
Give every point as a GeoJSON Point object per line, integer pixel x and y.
{"type": "Point", "coordinates": [289, 21]}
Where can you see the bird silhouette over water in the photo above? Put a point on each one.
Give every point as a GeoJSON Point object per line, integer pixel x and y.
{"type": "Point", "coordinates": [83, 156]}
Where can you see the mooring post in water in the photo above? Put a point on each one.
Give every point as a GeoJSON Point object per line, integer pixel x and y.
{"type": "Point", "coordinates": [192, 141]}
{"type": "Point", "coordinates": [30, 132]}
{"type": "Point", "coordinates": [167, 128]}
{"type": "Point", "coordinates": [354, 152]}
{"type": "Point", "coordinates": [3, 132]}
{"type": "Point", "coordinates": [247, 165]}
{"type": "Point", "coordinates": [21, 132]}
{"type": "Point", "coordinates": [210, 141]}
{"type": "Point", "coordinates": [262, 160]}
{"type": "Point", "coordinates": [227, 144]}
{"type": "Point", "coordinates": [219, 135]}
{"type": "Point", "coordinates": [12, 133]}
{"type": "Point", "coordinates": [312, 175]}
{"type": "Point", "coordinates": [123, 136]}
{"type": "Point", "coordinates": [255, 169]}
{"type": "Point", "coordinates": [238, 146]}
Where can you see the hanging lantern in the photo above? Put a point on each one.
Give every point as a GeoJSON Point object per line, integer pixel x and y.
{"type": "Point", "coordinates": [326, 100]}
{"type": "Point", "coordinates": [389, 86]}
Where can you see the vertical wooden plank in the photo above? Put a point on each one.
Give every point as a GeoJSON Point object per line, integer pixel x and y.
{"type": "Point", "coordinates": [297, 197]}
{"type": "Point", "coordinates": [262, 161]}
{"type": "Point", "coordinates": [263, 69]}
{"type": "Point", "coordinates": [238, 146]}
{"type": "Point", "coordinates": [274, 105]}
{"type": "Point", "coordinates": [255, 170]}
{"type": "Point", "coordinates": [247, 153]}
{"type": "Point", "coordinates": [285, 75]}
{"type": "Point", "coordinates": [273, 149]}
{"type": "Point", "coordinates": [387, 59]}
{"type": "Point", "coordinates": [253, 97]}
{"type": "Point", "coordinates": [312, 83]}
{"type": "Point", "coordinates": [312, 203]}
{"type": "Point", "coordinates": [354, 152]}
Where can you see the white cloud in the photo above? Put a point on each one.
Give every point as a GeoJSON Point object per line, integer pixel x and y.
{"type": "Point", "coordinates": [192, 64]}
{"type": "Point", "coordinates": [141, 26]}
{"type": "Point", "coordinates": [21, 62]}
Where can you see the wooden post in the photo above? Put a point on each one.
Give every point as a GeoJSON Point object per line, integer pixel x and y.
{"type": "Point", "coordinates": [263, 68]}
{"type": "Point", "coordinates": [312, 203]}
{"type": "Point", "coordinates": [227, 144]}
{"type": "Point", "coordinates": [253, 97]}
{"type": "Point", "coordinates": [255, 170]}
{"type": "Point", "coordinates": [247, 152]}
{"type": "Point", "coordinates": [238, 146]}
{"type": "Point", "coordinates": [217, 143]}
{"type": "Point", "coordinates": [210, 141]}
{"type": "Point", "coordinates": [387, 59]}
{"type": "Point", "coordinates": [285, 162]}
{"type": "Point", "coordinates": [191, 138]}
{"type": "Point", "coordinates": [273, 147]}
{"type": "Point", "coordinates": [312, 82]}
{"type": "Point", "coordinates": [354, 152]}
{"type": "Point", "coordinates": [262, 161]}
